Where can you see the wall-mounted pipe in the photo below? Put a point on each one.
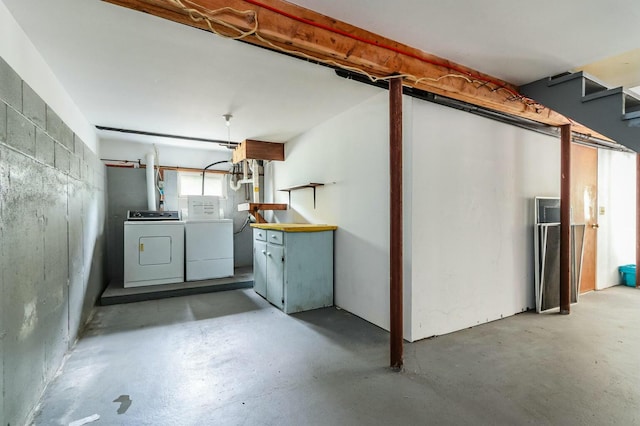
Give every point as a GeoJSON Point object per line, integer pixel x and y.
{"type": "Point", "coordinates": [254, 179]}
{"type": "Point", "coordinates": [151, 182]}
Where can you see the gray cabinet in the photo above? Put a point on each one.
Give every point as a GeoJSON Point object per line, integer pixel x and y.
{"type": "Point", "coordinates": [275, 275]}
{"type": "Point", "coordinates": [260, 267]}
{"type": "Point", "coordinates": [293, 270]}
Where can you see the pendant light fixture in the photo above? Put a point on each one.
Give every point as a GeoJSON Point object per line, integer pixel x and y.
{"type": "Point", "coordinates": [227, 122]}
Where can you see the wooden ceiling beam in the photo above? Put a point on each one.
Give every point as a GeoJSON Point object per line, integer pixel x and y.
{"type": "Point", "coordinates": [289, 28]}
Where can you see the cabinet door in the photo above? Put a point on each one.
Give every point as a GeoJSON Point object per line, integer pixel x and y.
{"type": "Point", "coordinates": [260, 268]}
{"type": "Point", "coordinates": [275, 275]}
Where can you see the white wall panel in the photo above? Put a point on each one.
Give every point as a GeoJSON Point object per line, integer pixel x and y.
{"type": "Point", "coordinates": [350, 154]}
{"type": "Point", "coordinates": [616, 235]}
{"type": "Point", "coordinates": [474, 180]}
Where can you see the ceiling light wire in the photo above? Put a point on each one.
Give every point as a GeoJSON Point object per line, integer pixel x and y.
{"type": "Point", "coordinates": [227, 122]}
{"type": "Point", "coordinates": [209, 16]}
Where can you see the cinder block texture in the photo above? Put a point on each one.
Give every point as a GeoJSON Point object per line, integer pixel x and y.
{"type": "Point", "coordinates": [10, 86]}
{"type": "Point", "coordinates": [62, 158]}
{"type": "Point", "coordinates": [78, 146]}
{"type": "Point", "coordinates": [3, 327]}
{"type": "Point", "coordinates": [45, 148]}
{"type": "Point", "coordinates": [94, 210]}
{"type": "Point", "coordinates": [33, 107]}
{"type": "Point", "coordinates": [21, 133]}
{"type": "Point", "coordinates": [76, 283]}
{"type": "Point", "coordinates": [46, 293]}
{"type": "Point", "coordinates": [56, 271]}
{"type": "Point", "coordinates": [90, 157]}
{"type": "Point", "coordinates": [46, 214]}
{"type": "Point", "coordinates": [126, 190]}
{"type": "Point", "coordinates": [74, 166]}
{"type": "Point", "coordinates": [85, 171]}
{"type": "Point", "coordinates": [23, 274]}
{"type": "Point", "coordinates": [59, 131]}
{"type": "Point", "coordinates": [3, 123]}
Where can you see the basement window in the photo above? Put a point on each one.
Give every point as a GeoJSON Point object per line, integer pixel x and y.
{"type": "Point", "coordinates": [190, 183]}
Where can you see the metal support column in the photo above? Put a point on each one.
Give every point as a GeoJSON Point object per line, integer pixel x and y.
{"type": "Point", "coordinates": [396, 228]}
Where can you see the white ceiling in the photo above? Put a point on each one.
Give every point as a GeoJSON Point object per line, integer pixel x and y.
{"type": "Point", "coordinates": [516, 40]}
{"type": "Point", "coordinates": [130, 70]}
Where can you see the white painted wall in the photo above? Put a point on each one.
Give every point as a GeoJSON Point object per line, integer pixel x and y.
{"type": "Point", "coordinates": [350, 154]}
{"type": "Point", "coordinates": [170, 155]}
{"type": "Point", "coordinates": [22, 56]}
{"type": "Point", "coordinates": [469, 189]}
{"type": "Point", "coordinates": [616, 235]}
{"type": "Point", "coordinates": [473, 184]}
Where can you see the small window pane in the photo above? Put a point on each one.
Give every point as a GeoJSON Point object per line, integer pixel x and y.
{"type": "Point", "coordinates": [190, 183]}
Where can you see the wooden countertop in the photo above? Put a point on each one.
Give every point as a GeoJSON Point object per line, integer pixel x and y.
{"type": "Point", "coordinates": [295, 227]}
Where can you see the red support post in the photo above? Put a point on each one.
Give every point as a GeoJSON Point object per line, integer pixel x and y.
{"type": "Point", "coordinates": [396, 228]}
{"type": "Point", "coordinates": [565, 219]}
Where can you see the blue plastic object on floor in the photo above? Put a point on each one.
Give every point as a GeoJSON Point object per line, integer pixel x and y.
{"type": "Point", "coordinates": [628, 273]}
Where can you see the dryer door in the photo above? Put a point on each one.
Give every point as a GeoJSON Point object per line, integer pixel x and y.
{"type": "Point", "coordinates": [154, 250]}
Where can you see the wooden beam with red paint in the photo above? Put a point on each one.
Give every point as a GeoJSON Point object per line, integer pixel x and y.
{"type": "Point", "coordinates": [282, 26]}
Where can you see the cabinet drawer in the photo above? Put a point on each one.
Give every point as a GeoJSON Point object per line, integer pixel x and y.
{"type": "Point", "coordinates": [259, 234]}
{"type": "Point", "coordinates": [274, 237]}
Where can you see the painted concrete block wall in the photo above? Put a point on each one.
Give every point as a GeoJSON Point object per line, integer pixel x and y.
{"type": "Point", "coordinates": [473, 184]}
{"type": "Point", "coordinates": [616, 235]}
{"type": "Point", "coordinates": [51, 242]}
{"type": "Point", "coordinates": [17, 50]}
{"type": "Point", "coordinates": [126, 190]}
{"type": "Point", "coordinates": [350, 154]}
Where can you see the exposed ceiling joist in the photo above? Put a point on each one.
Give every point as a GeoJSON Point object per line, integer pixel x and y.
{"type": "Point", "coordinates": [288, 28]}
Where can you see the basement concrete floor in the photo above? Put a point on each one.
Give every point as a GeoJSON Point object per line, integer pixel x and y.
{"type": "Point", "coordinates": [229, 358]}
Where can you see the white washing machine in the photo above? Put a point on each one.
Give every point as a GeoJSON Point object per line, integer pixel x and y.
{"type": "Point", "coordinates": [153, 251]}
{"type": "Point", "coordinates": [209, 248]}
